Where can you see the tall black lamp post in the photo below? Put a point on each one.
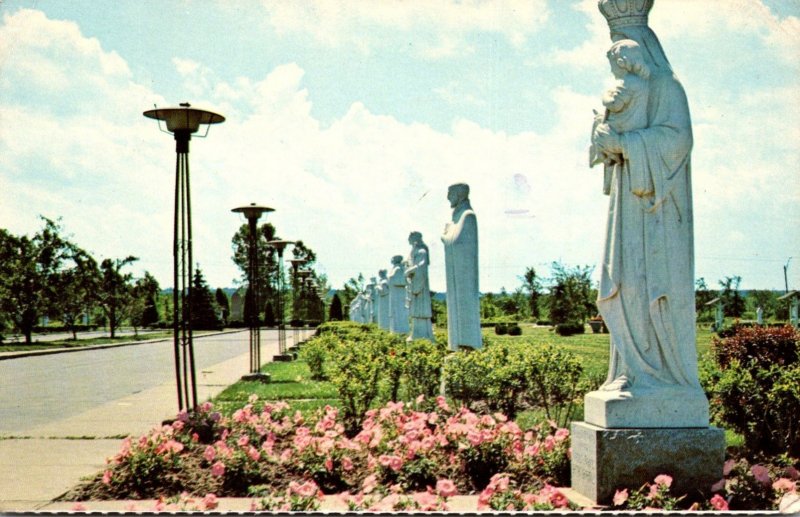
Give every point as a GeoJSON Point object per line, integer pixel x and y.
{"type": "Point", "coordinates": [252, 213]}
{"type": "Point", "coordinates": [183, 122]}
{"type": "Point", "coordinates": [279, 246]}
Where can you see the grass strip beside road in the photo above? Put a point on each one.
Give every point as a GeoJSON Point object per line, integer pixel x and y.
{"type": "Point", "coordinates": [69, 343]}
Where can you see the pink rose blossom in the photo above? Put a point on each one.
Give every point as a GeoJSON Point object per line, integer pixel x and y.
{"type": "Point", "coordinates": [210, 453]}
{"type": "Point", "coordinates": [620, 497]}
{"type": "Point", "coordinates": [719, 503]}
{"type": "Point", "coordinates": [426, 501]}
{"type": "Point", "coordinates": [663, 479]}
{"type": "Point", "coordinates": [286, 455]}
{"type": "Point", "coordinates": [183, 416]}
{"type": "Point", "coordinates": [347, 463]}
{"type": "Point", "coordinates": [446, 488]}
{"type": "Point", "coordinates": [253, 453]}
{"type": "Point", "coordinates": [761, 474]}
{"type": "Point", "coordinates": [178, 425]}
{"type": "Point", "coordinates": [558, 499]}
{"type": "Point", "coordinates": [307, 489]}
{"type": "Point", "coordinates": [218, 469]}
{"type": "Point", "coordinates": [329, 464]}
{"type": "Point", "coordinates": [727, 467]}
{"type": "Point", "coordinates": [209, 502]}
{"type": "Point", "coordinates": [396, 463]}
{"type": "Point", "coordinates": [107, 477]}
{"type": "Point", "coordinates": [549, 443]}
{"type": "Point", "coordinates": [719, 485]}
{"type": "Point", "coordinates": [562, 434]}
{"type": "Point", "coordinates": [369, 483]}
{"type": "Point", "coordinates": [784, 485]}
{"type": "Point", "coordinates": [243, 440]}
{"type": "Point", "coordinates": [195, 438]}
{"type": "Point", "coordinates": [205, 407]}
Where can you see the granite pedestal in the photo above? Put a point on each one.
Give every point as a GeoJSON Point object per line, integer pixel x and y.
{"type": "Point", "coordinates": [604, 460]}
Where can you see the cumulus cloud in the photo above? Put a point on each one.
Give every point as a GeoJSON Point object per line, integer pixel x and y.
{"type": "Point", "coordinates": [437, 29]}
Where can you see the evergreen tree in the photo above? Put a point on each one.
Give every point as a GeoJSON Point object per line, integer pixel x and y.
{"type": "Point", "coordinates": [223, 303]}
{"type": "Point", "coordinates": [204, 310]}
{"type": "Point", "coordinates": [336, 309]}
{"type": "Point", "coordinates": [269, 315]}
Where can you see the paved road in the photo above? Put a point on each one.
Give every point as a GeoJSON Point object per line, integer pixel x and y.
{"type": "Point", "coordinates": [39, 390]}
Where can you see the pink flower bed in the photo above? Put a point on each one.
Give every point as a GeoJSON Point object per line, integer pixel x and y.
{"type": "Point", "coordinates": [265, 449]}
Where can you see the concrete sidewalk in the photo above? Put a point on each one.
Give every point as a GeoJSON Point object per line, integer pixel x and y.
{"type": "Point", "coordinates": [52, 458]}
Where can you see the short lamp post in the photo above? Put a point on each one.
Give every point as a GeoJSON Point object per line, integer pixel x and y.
{"type": "Point", "coordinates": [252, 213]}
{"type": "Point", "coordinates": [279, 246]}
{"type": "Point", "coordinates": [183, 122]}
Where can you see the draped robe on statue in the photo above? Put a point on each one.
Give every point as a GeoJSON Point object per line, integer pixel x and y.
{"type": "Point", "coordinates": [461, 264]}
{"type": "Point", "coordinates": [398, 311]}
{"type": "Point", "coordinates": [382, 299]}
{"type": "Point", "coordinates": [646, 292]}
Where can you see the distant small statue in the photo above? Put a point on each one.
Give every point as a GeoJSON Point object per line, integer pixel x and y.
{"type": "Point", "coordinates": [382, 300]}
{"type": "Point", "coordinates": [419, 288]}
{"type": "Point", "coordinates": [460, 240]}
{"type": "Point", "coordinates": [398, 308]}
{"type": "Point", "coordinates": [372, 302]}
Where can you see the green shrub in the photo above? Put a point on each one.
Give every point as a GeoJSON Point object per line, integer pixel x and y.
{"type": "Point", "coordinates": [506, 374]}
{"type": "Point", "coordinates": [422, 367]}
{"type": "Point", "coordinates": [515, 330]}
{"type": "Point", "coordinates": [501, 329]}
{"type": "Point", "coordinates": [753, 382]}
{"type": "Point", "coordinates": [569, 329]}
{"type": "Point", "coordinates": [316, 352]}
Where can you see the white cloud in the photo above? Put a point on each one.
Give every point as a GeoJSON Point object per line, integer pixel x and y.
{"type": "Point", "coordinates": [438, 29]}
{"type": "Point", "coordinates": [354, 188]}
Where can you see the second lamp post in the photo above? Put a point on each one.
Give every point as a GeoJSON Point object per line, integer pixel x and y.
{"type": "Point", "coordinates": [252, 213]}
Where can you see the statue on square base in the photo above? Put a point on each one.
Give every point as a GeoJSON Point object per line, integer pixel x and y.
{"type": "Point", "coordinates": [460, 241]}
{"type": "Point", "coordinates": [416, 270]}
{"type": "Point", "coordinates": [398, 307]}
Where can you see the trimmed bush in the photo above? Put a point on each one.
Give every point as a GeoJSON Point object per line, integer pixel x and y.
{"type": "Point", "coordinates": [569, 329]}
{"type": "Point", "coordinates": [753, 382]}
{"type": "Point", "coordinates": [514, 330]}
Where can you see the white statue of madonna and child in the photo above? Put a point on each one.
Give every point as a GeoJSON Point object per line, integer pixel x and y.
{"type": "Point", "coordinates": [646, 292]}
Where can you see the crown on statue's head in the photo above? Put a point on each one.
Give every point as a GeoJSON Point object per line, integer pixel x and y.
{"type": "Point", "coordinates": [625, 13]}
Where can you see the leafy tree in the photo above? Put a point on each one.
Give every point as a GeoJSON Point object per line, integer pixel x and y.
{"type": "Point", "coordinates": [203, 307]}
{"type": "Point", "coordinates": [267, 258]}
{"type": "Point", "coordinates": [336, 313]}
{"type": "Point", "coordinates": [77, 288]}
{"type": "Point", "coordinates": [533, 286]}
{"type": "Point", "coordinates": [223, 303]}
{"type": "Point", "coordinates": [702, 295]}
{"type": "Point", "coordinates": [571, 296]}
{"type": "Point", "coordinates": [767, 300]}
{"type": "Point", "coordinates": [350, 290]}
{"type": "Point", "coordinates": [115, 291]}
{"type": "Point", "coordinates": [29, 269]}
{"type": "Point", "coordinates": [143, 307]}
{"type": "Point", "coordinates": [269, 315]}
{"type": "Point", "coordinates": [732, 300]}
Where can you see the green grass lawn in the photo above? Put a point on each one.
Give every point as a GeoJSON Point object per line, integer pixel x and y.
{"type": "Point", "coordinates": [69, 343]}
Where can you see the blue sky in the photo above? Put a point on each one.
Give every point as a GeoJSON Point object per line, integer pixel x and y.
{"type": "Point", "coordinates": [351, 119]}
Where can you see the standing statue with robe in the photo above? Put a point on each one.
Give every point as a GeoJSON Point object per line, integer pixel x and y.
{"type": "Point", "coordinates": [398, 310]}
{"type": "Point", "coordinates": [382, 299]}
{"type": "Point", "coordinates": [371, 315]}
{"type": "Point", "coordinates": [646, 292]}
{"type": "Point", "coordinates": [419, 288]}
{"type": "Point", "coordinates": [460, 240]}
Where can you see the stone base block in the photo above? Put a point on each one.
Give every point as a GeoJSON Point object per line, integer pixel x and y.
{"type": "Point", "coordinates": [657, 408]}
{"type": "Point", "coordinates": [257, 377]}
{"type": "Point", "coordinates": [604, 460]}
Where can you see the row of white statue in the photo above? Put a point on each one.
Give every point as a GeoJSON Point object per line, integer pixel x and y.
{"type": "Point", "coordinates": [399, 299]}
